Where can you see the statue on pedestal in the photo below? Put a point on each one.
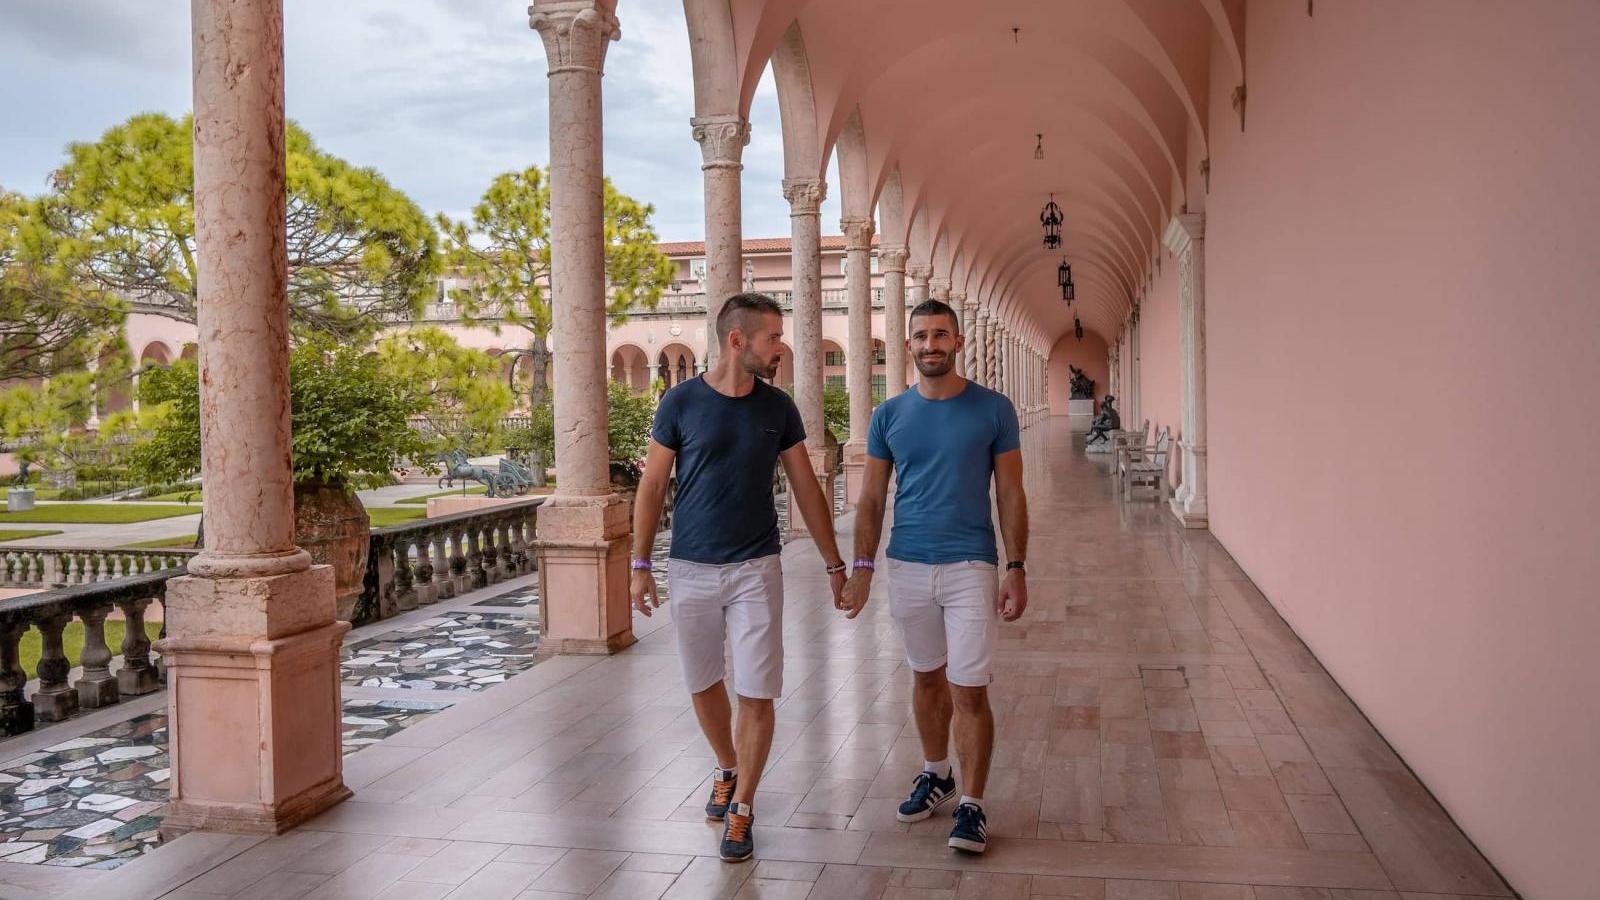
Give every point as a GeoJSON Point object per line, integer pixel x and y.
{"type": "Point", "coordinates": [1108, 421]}
{"type": "Point", "coordinates": [1082, 385]}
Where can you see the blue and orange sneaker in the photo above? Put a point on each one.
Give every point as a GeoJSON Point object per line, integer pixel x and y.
{"type": "Point", "coordinates": [722, 783]}
{"type": "Point", "coordinates": [738, 839]}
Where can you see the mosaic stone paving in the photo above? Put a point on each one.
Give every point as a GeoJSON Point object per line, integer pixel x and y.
{"type": "Point", "coordinates": [454, 651]}
{"type": "Point", "coordinates": [96, 801]}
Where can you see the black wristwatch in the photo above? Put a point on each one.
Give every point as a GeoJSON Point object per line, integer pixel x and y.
{"type": "Point", "coordinates": [1015, 564]}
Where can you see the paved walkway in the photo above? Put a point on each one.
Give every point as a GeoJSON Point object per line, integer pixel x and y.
{"type": "Point", "coordinates": [1162, 734]}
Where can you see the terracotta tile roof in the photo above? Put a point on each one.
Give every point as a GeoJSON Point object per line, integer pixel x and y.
{"type": "Point", "coordinates": [751, 245]}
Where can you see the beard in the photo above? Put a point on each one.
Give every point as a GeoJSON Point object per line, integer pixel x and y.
{"type": "Point", "coordinates": [759, 367]}
{"type": "Point", "coordinates": [936, 366]}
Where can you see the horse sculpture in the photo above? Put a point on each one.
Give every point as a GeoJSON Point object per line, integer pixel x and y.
{"type": "Point", "coordinates": [457, 466]}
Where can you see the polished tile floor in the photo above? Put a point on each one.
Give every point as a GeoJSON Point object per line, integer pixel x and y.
{"type": "Point", "coordinates": [1162, 735]}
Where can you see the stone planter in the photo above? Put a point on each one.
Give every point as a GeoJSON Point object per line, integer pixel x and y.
{"type": "Point", "coordinates": [331, 524]}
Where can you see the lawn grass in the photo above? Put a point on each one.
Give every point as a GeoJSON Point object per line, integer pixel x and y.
{"type": "Point", "coordinates": [96, 513]}
{"type": "Point", "coordinates": [32, 643]}
{"type": "Point", "coordinates": [181, 542]}
{"type": "Point", "coordinates": [476, 489]}
{"type": "Point", "coordinates": [190, 496]}
{"type": "Point", "coordinates": [17, 534]}
{"type": "Point", "coordinates": [384, 516]}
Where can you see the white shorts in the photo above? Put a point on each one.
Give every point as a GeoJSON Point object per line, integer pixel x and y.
{"type": "Point", "coordinates": [947, 617]}
{"type": "Point", "coordinates": [741, 603]}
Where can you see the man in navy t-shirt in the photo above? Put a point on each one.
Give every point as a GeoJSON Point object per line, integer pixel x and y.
{"type": "Point", "coordinates": [945, 438]}
{"type": "Point", "coordinates": [726, 431]}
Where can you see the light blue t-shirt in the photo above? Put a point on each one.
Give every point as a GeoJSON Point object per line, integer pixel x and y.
{"type": "Point", "coordinates": [943, 453]}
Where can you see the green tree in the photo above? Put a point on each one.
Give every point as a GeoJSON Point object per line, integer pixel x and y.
{"type": "Point", "coordinates": [48, 322]}
{"type": "Point", "coordinates": [46, 423]}
{"type": "Point", "coordinates": [360, 252]}
{"type": "Point", "coordinates": [457, 392]}
{"type": "Point", "coordinates": [349, 419]}
{"type": "Point", "coordinates": [628, 420]}
{"type": "Point", "coordinates": [503, 251]}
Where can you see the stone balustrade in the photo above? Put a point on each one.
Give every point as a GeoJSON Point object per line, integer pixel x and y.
{"type": "Point", "coordinates": [54, 567]}
{"type": "Point", "coordinates": [423, 562]}
{"type": "Point", "coordinates": [97, 686]}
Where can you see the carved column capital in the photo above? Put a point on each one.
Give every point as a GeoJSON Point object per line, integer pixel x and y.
{"type": "Point", "coordinates": [805, 195]}
{"type": "Point", "coordinates": [958, 299]}
{"type": "Point", "coordinates": [576, 34]}
{"type": "Point", "coordinates": [722, 140]}
{"type": "Point", "coordinates": [919, 272]}
{"type": "Point", "coordinates": [892, 259]}
{"type": "Point", "coordinates": [857, 232]}
{"type": "Point", "coordinates": [939, 288]}
{"type": "Point", "coordinates": [1183, 232]}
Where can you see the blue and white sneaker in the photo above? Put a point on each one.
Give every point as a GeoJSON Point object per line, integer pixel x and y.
{"type": "Point", "coordinates": [927, 792]}
{"type": "Point", "coordinates": [738, 839]}
{"type": "Point", "coordinates": [972, 829]}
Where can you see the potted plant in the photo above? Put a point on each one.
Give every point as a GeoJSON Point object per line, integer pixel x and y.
{"type": "Point", "coordinates": [349, 416]}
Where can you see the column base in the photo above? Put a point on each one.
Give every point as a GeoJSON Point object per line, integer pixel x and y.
{"type": "Point", "coordinates": [254, 701]}
{"type": "Point", "coordinates": [582, 548]}
{"type": "Point", "coordinates": [855, 472]}
{"type": "Point", "coordinates": [1189, 518]}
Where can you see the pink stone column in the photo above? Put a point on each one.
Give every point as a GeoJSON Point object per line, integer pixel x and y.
{"type": "Point", "coordinates": [252, 650]}
{"type": "Point", "coordinates": [722, 141]}
{"type": "Point", "coordinates": [805, 196]}
{"type": "Point", "coordinates": [1185, 237]}
{"type": "Point", "coordinates": [583, 528]}
{"type": "Point", "coordinates": [892, 262]}
{"type": "Point", "coordinates": [919, 273]}
{"type": "Point", "coordinates": [980, 340]}
{"type": "Point", "coordinates": [858, 350]}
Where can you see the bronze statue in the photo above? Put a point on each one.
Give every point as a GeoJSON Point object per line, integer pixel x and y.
{"type": "Point", "coordinates": [1082, 385]}
{"type": "Point", "coordinates": [1105, 423]}
{"type": "Point", "coordinates": [22, 475]}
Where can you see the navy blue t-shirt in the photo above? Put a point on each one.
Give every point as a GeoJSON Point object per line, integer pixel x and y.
{"type": "Point", "coordinates": [943, 453]}
{"type": "Point", "coordinates": [727, 450]}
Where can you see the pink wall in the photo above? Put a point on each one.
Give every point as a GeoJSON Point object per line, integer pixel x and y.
{"type": "Point", "coordinates": [1090, 356]}
{"type": "Point", "coordinates": [1161, 353]}
{"type": "Point", "coordinates": [1403, 325]}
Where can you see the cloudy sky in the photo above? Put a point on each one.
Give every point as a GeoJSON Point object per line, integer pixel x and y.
{"type": "Point", "coordinates": [438, 95]}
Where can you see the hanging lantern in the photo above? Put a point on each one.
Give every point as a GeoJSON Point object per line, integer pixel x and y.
{"type": "Point", "coordinates": [1077, 327]}
{"type": "Point", "coordinates": [1063, 273]}
{"type": "Point", "coordinates": [1051, 219]}
{"type": "Point", "coordinates": [1069, 292]}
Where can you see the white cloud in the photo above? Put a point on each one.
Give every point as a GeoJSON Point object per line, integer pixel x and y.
{"type": "Point", "coordinates": [439, 95]}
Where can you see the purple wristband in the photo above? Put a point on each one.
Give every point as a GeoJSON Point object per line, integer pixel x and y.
{"type": "Point", "coordinates": [864, 564]}
{"type": "Point", "coordinates": [642, 565]}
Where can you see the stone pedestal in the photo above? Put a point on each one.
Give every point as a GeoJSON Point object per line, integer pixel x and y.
{"type": "Point", "coordinates": [1080, 414]}
{"type": "Point", "coordinates": [19, 499]}
{"type": "Point", "coordinates": [253, 701]}
{"type": "Point", "coordinates": [583, 575]}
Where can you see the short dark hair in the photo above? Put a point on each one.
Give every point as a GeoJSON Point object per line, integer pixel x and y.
{"type": "Point", "coordinates": [932, 307]}
{"type": "Point", "coordinates": [739, 310]}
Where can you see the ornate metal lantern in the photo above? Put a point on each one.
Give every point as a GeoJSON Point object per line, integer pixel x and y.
{"type": "Point", "coordinates": [1077, 327]}
{"type": "Point", "coordinates": [1051, 219]}
{"type": "Point", "coordinates": [1064, 280]}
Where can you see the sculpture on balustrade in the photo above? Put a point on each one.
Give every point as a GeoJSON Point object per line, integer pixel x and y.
{"type": "Point", "coordinates": [1082, 385]}
{"type": "Point", "coordinates": [1108, 421]}
{"type": "Point", "coordinates": [500, 483]}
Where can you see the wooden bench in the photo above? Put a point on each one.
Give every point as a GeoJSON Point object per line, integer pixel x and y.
{"type": "Point", "coordinates": [1146, 466]}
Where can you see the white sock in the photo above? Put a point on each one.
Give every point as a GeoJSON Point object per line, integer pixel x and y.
{"type": "Point", "coordinates": [940, 768]}
{"type": "Point", "coordinates": [975, 801]}
{"type": "Point", "coordinates": [722, 774]}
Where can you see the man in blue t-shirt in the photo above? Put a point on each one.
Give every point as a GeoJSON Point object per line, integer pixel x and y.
{"type": "Point", "coordinates": [944, 439]}
{"type": "Point", "coordinates": [726, 431]}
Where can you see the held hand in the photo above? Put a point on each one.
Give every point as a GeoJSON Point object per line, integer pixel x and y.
{"type": "Point", "coordinates": [1013, 599]}
{"type": "Point", "coordinates": [856, 590]}
{"type": "Point", "coordinates": [837, 582]}
{"type": "Point", "coordinates": [642, 587]}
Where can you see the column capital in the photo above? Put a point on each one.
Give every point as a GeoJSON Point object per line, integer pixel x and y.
{"type": "Point", "coordinates": [722, 140]}
{"type": "Point", "coordinates": [939, 287]}
{"type": "Point", "coordinates": [919, 272]}
{"type": "Point", "coordinates": [576, 33]}
{"type": "Point", "coordinates": [958, 299]}
{"type": "Point", "coordinates": [1185, 230]}
{"type": "Point", "coordinates": [805, 195]}
{"type": "Point", "coordinates": [892, 259]}
{"type": "Point", "coordinates": [857, 232]}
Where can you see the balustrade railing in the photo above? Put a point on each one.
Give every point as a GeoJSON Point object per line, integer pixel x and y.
{"type": "Point", "coordinates": [53, 567]}
{"type": "Point", "coordinates": [97, 686]}
{"type": "Point", "coordinates": [420, 563]}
